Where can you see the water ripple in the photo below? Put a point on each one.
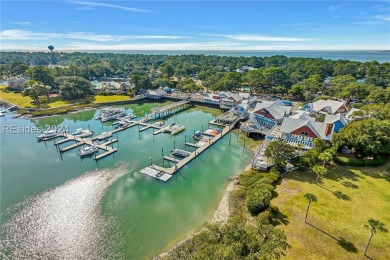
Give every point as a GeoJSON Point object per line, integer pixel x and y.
{"type": "Point", "coordinates": [64, 222]}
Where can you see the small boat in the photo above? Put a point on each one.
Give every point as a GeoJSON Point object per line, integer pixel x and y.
{"type": "Point", "coordinates": [47, 135]}
{"type": "Point", "coordinates": [103, 136]}
{"type": "Point", "coordinates": [111, 117]}
{"type": "Point", "coordinates": [130, 116]}
{"type": "Point", "coordinates": [1, 113]}
{"type": "Point", "coordinates": [86, 133]}
{"type": "Point", "coordinates": [121, 124]}
{"type": "Point", "coordinates": [197, 135]}
{"type": "Point", "coordinates": [177, 129]}
{"type": "Point", "coordinates": [78, 131]}
{"type": "Point", "coordinates": [86, 150]}
{"type": "Point", "coordinates": [180, 153]}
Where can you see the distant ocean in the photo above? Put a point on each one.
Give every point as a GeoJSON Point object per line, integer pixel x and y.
{"type": "Point", "coordinates": [362, 56]}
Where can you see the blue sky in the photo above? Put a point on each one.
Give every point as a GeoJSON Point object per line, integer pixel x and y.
{"type": "Point", "coordinates": [190, 25]}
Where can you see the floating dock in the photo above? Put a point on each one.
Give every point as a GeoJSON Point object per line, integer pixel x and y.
{"type": "Point", "coordinates": [178, 165]}
{"type": "Point", "coordinates": [80, 141]}
{"type": "Point", "coordinates": [155, 173]}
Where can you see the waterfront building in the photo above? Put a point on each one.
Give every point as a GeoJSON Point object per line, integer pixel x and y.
{"type": "Point", "coordinates": [110, 87]}
{"type": "Point", "coordinates": [16, 83]}
{"type": "Point", "coordinates": [302, 132]}
{"type": "Point", "coordinates": [265, 116]}
{"type": "Point", "coordinates": [230, 102]}
{"type": "Point", "coordinates": [321, 106]}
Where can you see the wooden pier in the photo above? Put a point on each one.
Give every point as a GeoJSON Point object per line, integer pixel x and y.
{"type": "Point", "coordinates": [161, 112]}
{"type": "Point", "coordinates": [171, 159]}
{"type": "Point", "coordinates": [178, 165]}
{"type": "Point", "coordinates": [193, 145]}
{"type": "Point", "coordinates": [89, 141]}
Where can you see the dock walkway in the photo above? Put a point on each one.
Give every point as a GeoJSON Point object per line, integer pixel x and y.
{"type": "Point", "coordinates": [178, 165]}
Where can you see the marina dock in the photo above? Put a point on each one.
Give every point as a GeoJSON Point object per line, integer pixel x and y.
{"type": "Point", "coordinates": [80, 141]}
{"type": "Point", "coordinates": [164, 111]}
{"type": "Point", "coordinates": [171, 159]}
{"type": "Point", "coordinates": [180, 164]}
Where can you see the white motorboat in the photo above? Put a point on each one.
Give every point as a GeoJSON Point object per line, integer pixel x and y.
{"type": "Point", "coordinates": [1, 113]}
{"type": "Point", "coordinates": [86, 150]}
{"type": "Point", "coordinates": [106, 118]}
{"type": "Point", "coordinates": [86, 133]}
{"type": "Point", "coordinates": [110, 113]}
{"type": "Point", "coordinates": [78, 131]}
{"type": "Point", "coordinates": [180, 153]}
{"type": "Point", "coordinates": [47, 135]}
{"type": "Point", "coordinates": [103, 136]}
{"type": "Point", "coordinates": [175, 129]}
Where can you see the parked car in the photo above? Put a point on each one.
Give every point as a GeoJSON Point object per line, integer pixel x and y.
{"type": "Point", "coordinates": [345, 150]}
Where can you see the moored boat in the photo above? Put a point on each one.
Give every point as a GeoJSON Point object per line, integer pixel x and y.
{"type": "Point", "coordinates": [180, 153]}
{"type": "Point", "coordinates": [47, 135]}
{"type": "Point", "coordinates": [103, 136]}
{"type": "Point", "coordinates": [177, 129]}
{"type": "Point", "coordinates": [86, 150]}
{"type": "Point", "coordinates": [78, 131]}
{"type": "Point", "coordinates": [86, 133]}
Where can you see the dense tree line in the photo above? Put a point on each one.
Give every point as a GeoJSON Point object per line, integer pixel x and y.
{"type": "Point", "coordinates": [302, 78]}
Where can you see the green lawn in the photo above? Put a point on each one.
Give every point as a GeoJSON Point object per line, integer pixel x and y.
{"type": "Point", "coordinates": [113, 98]}
{"type": "Point", "coordinates": [15, 98]}
{"type": "Point", "coordinates": [347, 197]}
{"type": "Point", "coordinates": [18, 99]}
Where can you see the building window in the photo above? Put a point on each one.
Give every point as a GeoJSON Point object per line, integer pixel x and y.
{"type": "Point", "coordinates": [304, 133]}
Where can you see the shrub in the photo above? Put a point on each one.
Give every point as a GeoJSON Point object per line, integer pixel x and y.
{"type": "Point", "coordinates": [354, 162]}
{"type": "Point", "coordinates": [264, 218]}
{"type": "Point", "coordinates": [263, 186]}
{"type": "Point", "coordinates": [258, 200]}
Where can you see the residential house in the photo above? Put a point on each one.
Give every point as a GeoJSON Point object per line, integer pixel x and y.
{"type": "Point", "coordinates": [302, 132]}
{"type": "Point", "coordinates": [16, 83]}
{"type": "Point", "coordinates": [338, 121]}
{"type": "Point", "coordinates": [321, 106]}
{"type": "Point", "coordinates": [110, 87]}
{"type": "Point", "coordinates": [228, 103]}
{"type": "Point", "coordinates": [156, 94]}
{"type": "Point", "coordinates": [241, 110]}
{"type": "Point", "coordinates": [266, 115]}
{"type": "Point", "coordinates": [351, 115]}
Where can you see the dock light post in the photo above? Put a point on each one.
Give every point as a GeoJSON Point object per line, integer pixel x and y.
{"type": "Point", "coordinates": [151, 160]}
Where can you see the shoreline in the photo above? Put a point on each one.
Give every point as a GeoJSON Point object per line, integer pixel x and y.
{"type": "Point", "coordinates": [221, 214]}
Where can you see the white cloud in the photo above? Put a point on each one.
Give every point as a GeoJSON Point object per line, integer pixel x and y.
{"type": "Point", "coordinates": [79, 46]}
{"type": "Point", "coordinates": [256, 37]}
{"type": "Point", "coordinates": [18, 34]}
{"type": "Point", "coordinates": [90, 5]}
{"type": "Point", "coordinates": [382, 17]}
{"type": "Point", "coordinates": [21, 23]}
{"type": "Point", "coordinates": [333, 8]}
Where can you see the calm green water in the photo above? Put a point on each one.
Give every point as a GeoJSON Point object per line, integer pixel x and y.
{"type": "Point", "coordinates": [61, 207]}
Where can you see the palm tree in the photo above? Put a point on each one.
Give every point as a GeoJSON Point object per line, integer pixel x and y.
{"type": "Point", "coordinates": [320, 171]}
{"type": "Point", "coordinates": [374, 225]}
{"type": "Point", "coordinates": [310, 198]}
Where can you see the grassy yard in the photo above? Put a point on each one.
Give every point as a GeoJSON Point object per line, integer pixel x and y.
{"type": "Point", "coordinates": [113, 98]}
{"type": "Point", "coordinates": [15, 98]}
{"type": "Point", "coordinates": [347, 197]}
{"type": "Point", "coordinates": [18, 99]}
